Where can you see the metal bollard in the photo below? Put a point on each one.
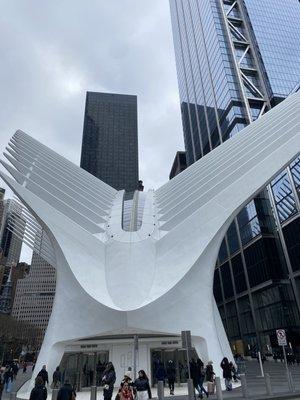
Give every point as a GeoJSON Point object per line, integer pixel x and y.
{"type": "Point", "coordinates": [244, 386]}
{"type": "Point", "coordinates": [93, 392]}
{"type": "Point", "coordinates": [12, 395]}
{"type": "Point", "coordinates": [268, 385]}
{"type": "Point", "coordinates": [54, 394]}
{"type": "Point", "coordinates": [191, 389]}
{"type": "Point", "coordinates": [160, 390]}
{"type": "Point", "coordinates": [219, 388]}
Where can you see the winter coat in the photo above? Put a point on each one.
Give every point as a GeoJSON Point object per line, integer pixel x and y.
{"type": "Point", "coordinates": [141, 385]}
{"type": "Point", "coordinates": [210, 375]}
{"type": "Point", "coordinates": [195, 373]}
{"type": "Point", "coordinates": [108, 379]}
{"type": "Point", "coordinates": [226, 370]}
{"type": "Point", "coordinates": [44, 375]}
{"type": "Point", "coordinates": [171, 372]}
{"type": "Point", "coordinates": [65, 392]}
{"type": "Point", "coordinates": [39, 392]}
{"type": "Point", "coordinates": [126, 394]}
{"type": "Point", "coordinates": [56, 376]}
{"type": "Point", "coordinates": [160, 373]}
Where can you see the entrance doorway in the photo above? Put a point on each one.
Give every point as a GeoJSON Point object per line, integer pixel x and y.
{"type": "Point", "coordinates": [178, 356]}
{"type": "Point", "coordinates": [84, 369]}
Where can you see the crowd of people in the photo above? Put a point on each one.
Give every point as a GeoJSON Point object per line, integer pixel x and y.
{"type": "Point", "coordinates": [198, 372]}
{"type": "Point", "coordinates": [7, 375]}
{"type": "Point", "coordinates": [129, 388]}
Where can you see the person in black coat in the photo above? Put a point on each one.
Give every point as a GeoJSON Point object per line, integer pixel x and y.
{"type": "Point", "coordinates": [44, 375]}
{"type": "Point", "coordinates": [66, 392]}
{"type": "Point", "coordinates": [142, 387]}
{"type": "Point", "coordinates": [201, 376]}
{"type": "Point", "coordinates": [39, 392]}
{"type": "Point", "coordinates": [56, 378]}
{"type": "Point", "coordinates": [194, 373]}
{"type": "Point", "coordinates": [108, 380]}
{"type": "Point", "coordinates": [227, 373]}
{"type": "Point", "coordinates": [171, 376]}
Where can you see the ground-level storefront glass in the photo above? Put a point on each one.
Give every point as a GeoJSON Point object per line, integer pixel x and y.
{"type": "Point", "coordinates": [84, 361]}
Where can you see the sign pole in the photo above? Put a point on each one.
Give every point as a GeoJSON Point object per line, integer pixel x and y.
{"type": "Point", "coordinates": [261, 364]}
{"type": "Point", "coordinates": [187, 344]}
{"type": "Point", "coordinates": [287, 369]}
{"type": "Point", "coordinates": [188, 362]}
{"type": "Point", "coordinates": [135, 355]}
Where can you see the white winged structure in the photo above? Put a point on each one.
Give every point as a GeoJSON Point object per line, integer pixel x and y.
{"type": "Point", "coordinates": [168, 262]}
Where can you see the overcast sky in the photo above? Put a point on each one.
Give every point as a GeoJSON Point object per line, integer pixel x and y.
{"type": "Point", "coordinates": [53, 52]}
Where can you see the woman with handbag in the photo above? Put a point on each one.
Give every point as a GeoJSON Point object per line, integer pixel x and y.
{"type": "Point", "coordinates": [108, 380]}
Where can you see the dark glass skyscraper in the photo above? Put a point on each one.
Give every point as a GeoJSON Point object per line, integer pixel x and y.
{"type": "Point", "coordinates": [235, 60]}
{"type": "Point", "coordinates": [110, 142]}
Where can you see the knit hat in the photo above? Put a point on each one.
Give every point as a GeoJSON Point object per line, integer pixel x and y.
{"type": "Point", "coordinates": [128, 374]}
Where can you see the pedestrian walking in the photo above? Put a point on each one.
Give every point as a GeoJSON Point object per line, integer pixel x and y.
{"type": "Point", "coordinates": [199, 378]}
{"type": "Point", "coordinates": [142, 387]}
{"type": "Point", "coordinates": [66, 392]}
{"type": "Point", "coordinates": [161, 372]}
{"type": "Point", "coordinates": [24, 367]}
{"type": "Point", "coordinates": [39, 392]}
{"type": "Point", "coordinates": [15, 369]}
{"type": "Point", "coordinates": [171, 376]}
{"type": "Point", "coordinates": [108, 380]}
{"type": "Point", "coordinates": [56, 379]}
{"type": "Point", "coordinates": [210, 377]}
{"type": "Point", "coordinates": [126, 392]}
{"type": "Point", "coordinates": [234, 372]}
{"type": "Point", "coordinates": [227, 373]}
{"type": "Point", "coordinates": [44, 375]}
{"type": "Point", "coordinates": [8, 377]}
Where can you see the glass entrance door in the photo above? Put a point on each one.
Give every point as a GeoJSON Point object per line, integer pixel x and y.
{"type": "Point", "coordinates": [178, 356]}
{"type": "Point", "coordinates": [84, 369]}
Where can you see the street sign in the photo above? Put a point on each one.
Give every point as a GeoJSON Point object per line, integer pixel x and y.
{"type": "Point", "coordinates": [281, 337]}
{"type": "Point", "coordinates": [186, 339]}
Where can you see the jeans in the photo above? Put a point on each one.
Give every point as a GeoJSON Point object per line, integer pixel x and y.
{"type": "Point", "coordinates": [200, 388]}
{"type": "Point", "coordinates": [228, 384]}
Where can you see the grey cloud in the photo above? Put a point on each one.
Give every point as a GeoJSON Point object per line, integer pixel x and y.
{"type": "Point", "coordinates": [53, 52]}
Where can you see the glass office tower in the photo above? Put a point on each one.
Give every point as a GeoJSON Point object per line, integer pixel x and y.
{"type": "Point", "coordinates": [110, 140]}
{"type": "Point", "coordinates": [235, 60]}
